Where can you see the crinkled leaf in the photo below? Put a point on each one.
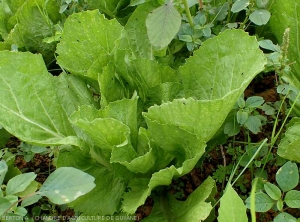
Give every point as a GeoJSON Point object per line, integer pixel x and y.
{"type": "Point", "coordinates": [38, 109]}
{"type": "Point", "coordinates": [25, 34]}
{"type": "Point", "coordinates": [72, 92]}
{"type": "Point", "coordinates": [195, 208]}
{"type": "Point", "coordinates": [121, 114]}
{"type": "Point", "coordinates": [87, 41]}
{"type": "Point", "coordinates": [66, 184]}
{"type": "Point", "coordinates": [289, 146]}
{"type": "Point", "coordinates": [144, 74]}
{"type": "Point", "coordinates": [184, 146]}
{"type": "Point", "coordinates": [220, 67]}
{"type": "Point", "coordinates": [287, 176]}
{"type": "Point", "coordinates": [162, 25]}
{"type": "Point", "coordinates": [135, 36]}
{"type": "Point", "coordinates": [260, 17]}
{"type": "Point", "coordinates": [19, 183]}
{"type": "Point", "coordinates": [110, 7]}
{"type": "Point", "coordinates": [141, 187]}
{"type": "Point", "coordinates": [111, 88]}
{"type": "Point", "coordinates": [232, 207]}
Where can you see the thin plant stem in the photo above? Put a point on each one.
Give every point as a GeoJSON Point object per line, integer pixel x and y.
{"type": "Point", "coordinates": [188, 13]}
{"type": "Point", "coordinates": [252, 158]}
{"type": "Point", "coordinates": [252, 200]}
{"type": "Point", "coordinates": [200, 5]}
{"type": "Point", "coordinates": [224, 163]}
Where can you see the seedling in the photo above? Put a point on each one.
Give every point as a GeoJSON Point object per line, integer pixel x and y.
{"type": "Point", "coordinates": [278, 196]}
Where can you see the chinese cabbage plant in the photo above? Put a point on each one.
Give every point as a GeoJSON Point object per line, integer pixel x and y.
{"type": "Point", "coordinates": [152, 122]}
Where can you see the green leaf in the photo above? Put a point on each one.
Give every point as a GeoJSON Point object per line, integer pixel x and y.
{"type": "Point", "coordinates": [162, 25]}
{"type": "Point", "coordinates": [262, 3]}
{"type": "Point", "coordinates": [292, 199]}
{"type": "Point", "coordinates": [285, 217]}
{"type": "Point", "coordinates": [30, 200]}
{"type": "Point", "coordinates": [135, 36]}
{"type": "Point", "coordinates": [87, 42]}
{"type": "Point", "coordinates": [288, 147]}
{"type": "Point", "coordinates": [4, 137]}
{"type": "Point", "coordinates": [232, 207]}
{"type": "Point", "coordinates": [4, 205]}
{"type": "Point", "coordinates": [30, 189]}
{"type": "Point", "coordinates": [120, 117]}
{"type": "Point", "coordinates": [273, 191]}
{"type": "Point", "coordinates": [26, 72]}
{"type": "Point", "coordinates": [195, 208]}
{"type": "Point", "coordinates": [109, 188]}
{"type": "Point", "coordinates": [285, 15]}
{"type": "Point", "coordinates": [72, 92]}
{"type": "Point", "coordinates": [3, 170]}
{"type": "Point", "coordinates": [222, 12]}
{"type": "Point", "coordinates": [260, 17]}
{"type": "Point", "coordinates": [254, 102]}
{"type": "Point", "coordinates": [263, 202]}
{"type": "Point", "coordinates": [253, 123]}
{"type": "Point", "coordinates": [144, 74]}
{"type": "Point", "coordinates": [111, 88]}
{"type": "Point", "coordinates": [140, 188]}
{"type": "Point", "coordinates": [241, 102]}
{"type": "Point", "coordinates": [287, 176]}
{"type": "Point", "coordinates": [269, 110]}
{"type": "Point", "coordinates": [19, 183]}
{"type": "Point", "coordinates": [241, 116]}
{"type": "Point", "coordinates": [268, 44]}
{"type": "Point", "coordinates": [220, 66]}
{"type": "Point", "coordinates": [66, 184]}
{"type": "Point", "coordinates": [107, 7]}
{"type": "Point", "coordinates": [239, 5]}
{"type": "Point", "coordinates": [232, 128]}
{"type": "Point", "coordinates": [279, 204]}
{"type": "Point", "coordinates": [25, 34]}
{"type": "Point", "coordinates": [186, 38]}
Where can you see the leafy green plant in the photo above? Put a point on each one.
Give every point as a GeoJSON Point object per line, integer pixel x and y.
{"type": "Point", "coordinates": [143, 132]}
{"type": "Point", "coordinates": [131, 106]}
{"type": "Point", "coordinates": [247, 116]}
{"type": "Point", "coordinates": [28, 151]}
{"type": "Point", "coordinates": [287, 178]}
{"type": "Point", "coordinates": [62, 186]}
